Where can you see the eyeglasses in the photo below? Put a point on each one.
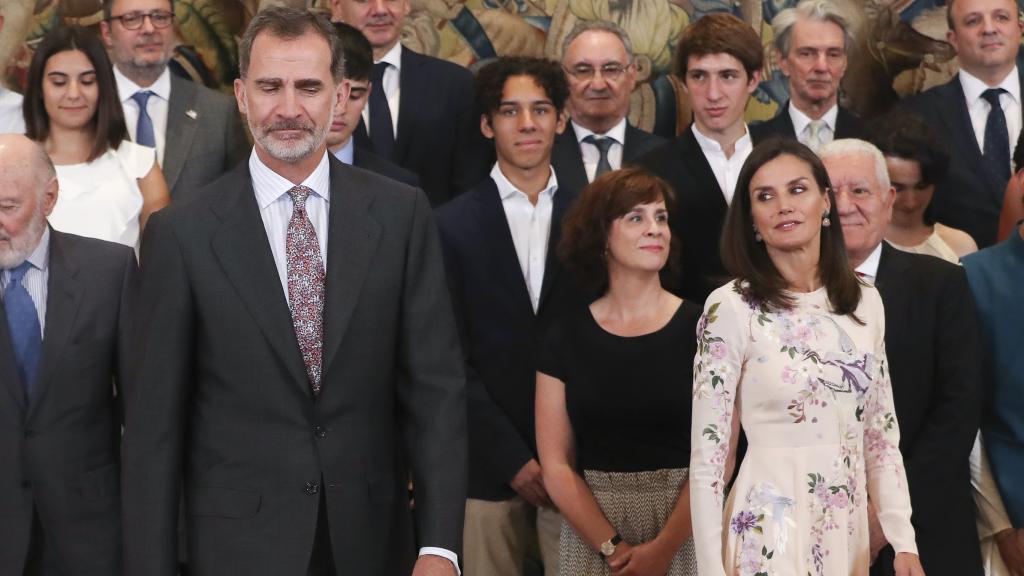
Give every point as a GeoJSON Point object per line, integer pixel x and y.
{"type": "Point", "coordinates": [611, 71]}
{"type": "Point", "coordinates": [134, 20]}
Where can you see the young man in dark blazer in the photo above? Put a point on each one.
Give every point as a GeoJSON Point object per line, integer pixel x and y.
{"type": "Point", "coordinates": [507, 285]}
{"type": "Point", "coordinates": [296, 352]}
{"type": "Point", "coordinates": [421, 113]}
{"type": "Point", "coordinates": [718, 59]}
{"type": "Point", "coordinates": [63, 336]}
{"type": "Point", "coordinates": [981, 136]}
{"type": "Point", "coordinates": [597, 57]}
{"type": "Point", "coordinates": [812, 40]}
{"type": "Point", "coordinates": [935, 364]}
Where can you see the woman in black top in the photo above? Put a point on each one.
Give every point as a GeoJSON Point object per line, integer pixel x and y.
{"type": "Point", "coordinates": [613, 390]}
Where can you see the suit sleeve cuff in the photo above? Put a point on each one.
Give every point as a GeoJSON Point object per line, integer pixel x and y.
{"type": "Point", "coordinates": [429, 550]}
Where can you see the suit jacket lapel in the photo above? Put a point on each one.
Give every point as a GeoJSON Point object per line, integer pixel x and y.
{"type": "Point", "coordinates": [497, 237]}
{"type": "Point", "coordinates": [242, 247]}
{"type": "Point", "coordinates": [351, 242]}
{"type": "Point", "coordinates": [959, 127]}
{"type": "Point", "coordinates": [784, 122]}
{"type": "Point", "coordinates": [8, 371]}
{"type": "Point", "coordinates": [410, 81]}
{"type": "Point", "coordinates": [552, 266]}
{"type": "Point", "coordinates": [700, 169]}
{"type": "Point", "coordinates": [567, 156]}
{"type": "Point", "coordinates": [181, 128]}
{"type": "Point", "coordinates": [63, 296]}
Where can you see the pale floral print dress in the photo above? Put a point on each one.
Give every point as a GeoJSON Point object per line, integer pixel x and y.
{"type": "Point", "coordinates": [813, 392]}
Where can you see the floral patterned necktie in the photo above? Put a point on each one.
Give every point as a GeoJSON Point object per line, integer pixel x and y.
{"type": "Point", "coordinates": [306, 285]}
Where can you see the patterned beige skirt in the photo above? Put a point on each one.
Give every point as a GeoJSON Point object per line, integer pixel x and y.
{"type": "Point", "coordinates": [637, 504]}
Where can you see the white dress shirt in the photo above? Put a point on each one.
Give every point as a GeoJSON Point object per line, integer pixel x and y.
{"type": "Point", "coordinates": [868, 269]}
{"type": "Point", "coordinates": [35, 279]}
{"type": "Point", "coordinates": [276, 211]}
{"type": "Point", "coordinates": [802, 125]}
{"type": "Point", "coordinates": [11, 119]}
{"type": "Point", "coordinates": [591, 155]}
{"type": "Point", "coordinates": [978, 108]}
{"type": "Point", "coordinates": [727, 170]}
{"type": "Point", "coordinates": [392, 86]}
{"type": "Point", "coordinates": [530, 226]}
{"type": "Point", "coordinates": [158, 107]}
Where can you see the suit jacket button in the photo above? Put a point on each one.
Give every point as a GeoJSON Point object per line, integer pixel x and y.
{"type": "Point", "coordinates": [312, 487]}
{"type": "Point", "coordinates": [320, 432]}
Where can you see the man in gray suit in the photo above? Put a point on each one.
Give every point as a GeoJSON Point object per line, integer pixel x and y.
{"type": "Point", "coordinates": [197, 132]}
{"type": "Point", "coordinates": [62, 334]}
{"type": "Point", "coordinates": [297, 352]}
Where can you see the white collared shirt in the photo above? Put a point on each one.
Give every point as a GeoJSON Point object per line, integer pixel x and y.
{"type": "Point", "coordinates": [591, 155]}
{"type": "Point", "coordinates": [530, 226]}
{"type": "Point", "coordinates": [35, 279]}
{"type": "Point", "coordinates": [392, 86]}
{"type": "Point", "coordinates": [868, 269]}
{"type": "Point", "coordinates": [276, 208]}
{"type": "Point", "coordinates": [11, 119]}
{"type": "Point", "coordinates": [978, 108]}
{"type": "Point", "coordinates": [727, 170]}
{"type": "Point", "coordinates": [158, 107]}
{"type": "Point", "coordinates": [802, 124]}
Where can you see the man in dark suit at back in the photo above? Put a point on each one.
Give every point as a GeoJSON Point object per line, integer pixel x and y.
{"type": "Point", "coordinates": [812, 40]}
{"type": "Point", "coordinates": [63, 324]}
{"type": "Point", "coordinates": [358, 61]}
{"type": "Point", "coordinates": [507, 286]}
{"type": "Point", "coordinates": [718, 58]}
{"type": "Point", "coordinates": [935, 364]}
{"type": "Point", "coordinates": [296, 352]}
{"type": "Point", "coordinates": [597, 57]}
{"type": "Point", "coordinates": [978, 114]}
{"type": "Point", "coordinates": [421, 114]}
{"type": "Point", "coordinates": [197, 132]}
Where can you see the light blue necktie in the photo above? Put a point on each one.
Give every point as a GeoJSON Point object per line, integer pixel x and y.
{"type": "Point", "coordinates": [23, 325]}
{"type": "Point", "coordinates": [144, 129]}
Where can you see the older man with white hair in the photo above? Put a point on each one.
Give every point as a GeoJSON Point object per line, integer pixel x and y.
{"type": "Point", "coordinates": [62, 336]}
{"type": "Point", "coordinates": [931, 335]}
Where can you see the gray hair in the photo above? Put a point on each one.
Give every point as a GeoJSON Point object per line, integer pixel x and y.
{"type": "Point", "coordinates": [599, 26]}
{"type": "Point", "coordinates": [853, 146]}
{"type": "Point", "coordinates": [291, 23]}
{"type": "Point", "coordinates": [816, 10]}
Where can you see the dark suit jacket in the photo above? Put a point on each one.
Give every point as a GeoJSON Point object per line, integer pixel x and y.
{"type": "Point", "coordinates": [935, 363]}
{"type": "Point", "coordinates": [438, 127]}
{"type": "Point", "coordinates": [848, 125]}
{"type": "Point", "coordinates": [369, 161]}
{"type": "Point", "coordinates": [568, 161]}
{"type": "Point", "coordinates": [220, 399]}
{"type": "Point", "coordinates": [969, 198]}
{"type": "Point", "coordinates": [60, 450]}
{"type": "Point", "coordinates": [205, 137]}
{"type": "Point", "coordinates": [697, 217]}
{"type": "Point", "coordinates": [499, 330]}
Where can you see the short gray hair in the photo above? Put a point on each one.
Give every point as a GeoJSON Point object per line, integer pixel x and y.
{"type": "Point", "coordinates": [851, 146]}
{"type": "Point", "coordinates": [290, 23]}
{"type": "Point", "coordinates": [815, 10]}
{"type": "Point", "coordinates": [599, 26]}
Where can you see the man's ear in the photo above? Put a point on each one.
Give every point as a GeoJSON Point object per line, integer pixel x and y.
{"type": "Point", "coordinates": [485, 126]}
{"type": "Point", "coordinates": [240, 96]}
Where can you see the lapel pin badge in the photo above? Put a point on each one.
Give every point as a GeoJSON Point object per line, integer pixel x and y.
{"type": "Point", "coordinates": [192, 114]}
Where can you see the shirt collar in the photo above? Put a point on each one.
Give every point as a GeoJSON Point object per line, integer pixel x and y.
{"type": "Point", "coordinates": [39, 258]}
{"type": "Point", "coordinates": [393, 57]}
{"type": "Point", "coordinates": [617, 132]}
{"type": "Point", "coordinates": [709, 145]}
{"type": "Point", "coordinates": [973, 87]}
{"type": "Point", "coordinates": [869, 267]}
{"type": "Point", "coordinates": [801, 120]}
{"type": "Point", "coordinates": [126, 88]}
{"type": "Point", "coordinates": [507, 190]}
{"type": "Point", "coordinates": [269, 186]}
{"type": "Point", "coordinates": [347, 153]}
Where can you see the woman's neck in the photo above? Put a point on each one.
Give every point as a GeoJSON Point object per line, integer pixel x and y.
{"type": "Point", "coordinates": [65, 146]}
{"type": "Point", "coordinates": [799, 268]}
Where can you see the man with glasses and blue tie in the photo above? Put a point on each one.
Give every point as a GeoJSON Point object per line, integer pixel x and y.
{"type": "Point", "coordinates": [63, 318]}
{"type": "Point", "coordinates": [597, 57]}
{"type": "Point", "coordinates": [196, 131]}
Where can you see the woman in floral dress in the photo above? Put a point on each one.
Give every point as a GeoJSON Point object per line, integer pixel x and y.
{"type": "Point", "coordinates": [793, 351]}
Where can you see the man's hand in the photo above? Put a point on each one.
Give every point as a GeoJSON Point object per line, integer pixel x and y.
{"type": "Point", "coordinates": [430, 565]}
{"type": "Point", "coordinates": [647, 559]}
{"type": "Point", "coordinates": [907, 564]}
{"type": "Point", "coordinates": [529, 484]}
{"type": "Point", "coordinates": [1011, 548]}
{"type": "Point", "coordinates": [876, 537]}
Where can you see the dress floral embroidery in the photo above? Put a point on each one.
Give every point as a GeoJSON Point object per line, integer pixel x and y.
{"type": "Point", "coordinates": [813, 395]}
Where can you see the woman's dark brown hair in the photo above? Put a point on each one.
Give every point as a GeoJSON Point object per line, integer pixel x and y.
{"type": "Point", "coordinates": [107, 123]}
{"type": "Point", "coordinates": [586, 226]}
{"type": "Point", "coordinates": [747, 259]}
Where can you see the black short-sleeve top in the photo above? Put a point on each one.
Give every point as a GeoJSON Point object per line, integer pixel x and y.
{"type": "Point", "coordinates": [628, 398]}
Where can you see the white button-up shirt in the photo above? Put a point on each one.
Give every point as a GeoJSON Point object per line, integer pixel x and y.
{"type": "Point", "coordinates": [802, 125]}
{"type": "Point", "coordinates": [978, 108]}
{"type": "Point", "coordinates": [392, 86]}
{"type": "Point", "coordinates": [11, 119]}
{"type": "Point", "coordinates": [727, 170]}
{"type": "Point", "coordinates": [158, 107]}
{"type": "Point", "coordinates": [591, 155]}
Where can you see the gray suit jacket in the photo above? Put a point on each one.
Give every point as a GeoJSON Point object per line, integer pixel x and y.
{"type": "Point", "coordinates": [60, 449]}
{"type": "Point", "coordinates": [221, 401]}
{"type": "Point", "coordinates": [205, 137]}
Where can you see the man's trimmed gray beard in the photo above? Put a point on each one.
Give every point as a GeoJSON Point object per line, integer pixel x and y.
{"type": "Point", "coordinates": [24, 244]}
{"type": "Point", "coordinates": [292, 151]}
